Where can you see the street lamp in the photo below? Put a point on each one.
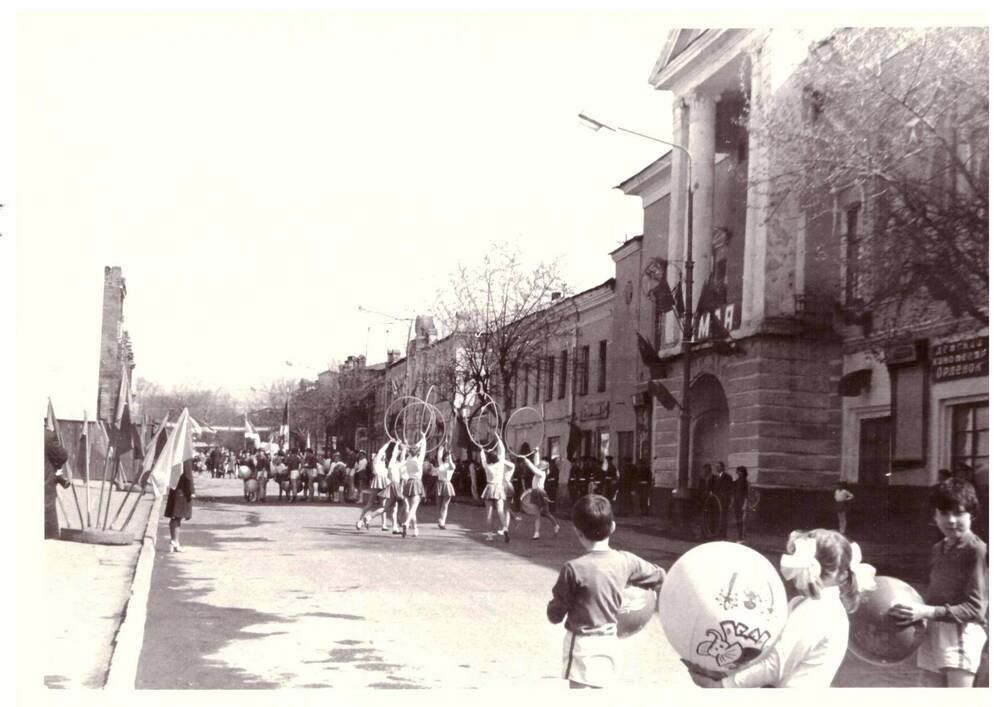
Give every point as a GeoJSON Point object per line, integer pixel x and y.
{"type": "Point", "coordinates": [687, 325]}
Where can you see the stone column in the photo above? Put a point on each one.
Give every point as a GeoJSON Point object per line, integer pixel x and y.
{"type": "Point", "coordinates": [678, 217]}
{"type": "Point", "coordinates": [758, 195]}
{"type": "Point", "coordinates": [701, 143]}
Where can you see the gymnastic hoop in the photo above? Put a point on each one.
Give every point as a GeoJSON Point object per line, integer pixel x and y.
{"type": "Point", "coordinates": [388, 409]}
{"type": "Point", "coordinates": [523, 416]}
{"type": "Point", "coordinates": [426, 428]}
{"type": "Point", "coordinates": [496, 427]}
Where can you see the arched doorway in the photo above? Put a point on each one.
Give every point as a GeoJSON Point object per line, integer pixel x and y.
{"type": "Point", "coordinates": [709, 425]}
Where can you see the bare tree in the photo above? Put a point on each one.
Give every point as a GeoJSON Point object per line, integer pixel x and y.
{"type": "Point", "coordinates": [901, 117]}
{"type": "Point", "coordinates": [498, 313]}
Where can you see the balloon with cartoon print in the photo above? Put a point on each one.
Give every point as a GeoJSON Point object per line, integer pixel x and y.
{"type": "Point", "coordinates": [722, 605]}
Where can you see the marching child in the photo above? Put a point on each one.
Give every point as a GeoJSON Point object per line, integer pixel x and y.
{"type": "Point", "coordinates": [957, 595]}
{"type": "Point", "coordinates": [380, 479]}
{"type": "Point", "coordinates": [496, 464]}
{"type": "Point", "coordinates": [539, 469]}
{"type": "Point", "coordinates": [445, 490]}
{"type": "Point", "coordinates": [393, 493]}
{"type": "Point", "coordinates": [413, 487]}
{"type": "Point", "coordinates": [588, 594]}
{"type": "Point", "coordinates": [828, 573]}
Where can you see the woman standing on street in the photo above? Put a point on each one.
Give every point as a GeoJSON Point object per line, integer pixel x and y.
{"type": "Point", "coordinates": [179, 505]}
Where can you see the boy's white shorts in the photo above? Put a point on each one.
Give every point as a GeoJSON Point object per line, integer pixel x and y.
{"type": "Point", "coordinates": [591, 659]}
{"type": "Point", "coordinates": [951, 645]}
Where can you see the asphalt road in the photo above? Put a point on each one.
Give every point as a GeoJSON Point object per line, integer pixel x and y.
{"type": "Point", "coordinates": [291, 595]}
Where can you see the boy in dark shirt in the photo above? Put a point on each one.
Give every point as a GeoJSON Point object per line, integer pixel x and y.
{"type": "Point", "coordinates": [588, 594]}
{"type": "Point", "coordinates": [957, 596]}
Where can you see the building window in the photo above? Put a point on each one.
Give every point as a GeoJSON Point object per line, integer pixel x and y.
{"type": "Point", "coordinates": [852, 258]}
{"type": "Point", "coordinates": [970, 439]}
{"type": "Point", "coordinates": [550, 376]}
{"type": "Point", "coordinates": [527, 377]}
{"type": "Point", "coordinates": [563, 364]}
{"type": "Point", "coordinates": [583, 375]}
{"type": "Point", "coordinates": [538, 381]}
{"type": "Point", "coordinates": [602, 366]}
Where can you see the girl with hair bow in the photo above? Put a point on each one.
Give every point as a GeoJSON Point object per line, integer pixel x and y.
{"type": "Point", "coordinates": [827, 571]}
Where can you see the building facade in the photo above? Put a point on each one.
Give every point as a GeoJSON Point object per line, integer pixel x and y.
{"type": "Point", "coordinates": [800, 395]}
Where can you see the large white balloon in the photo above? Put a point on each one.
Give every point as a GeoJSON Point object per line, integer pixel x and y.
{"type": "Point", "coordinates": [722, 605]}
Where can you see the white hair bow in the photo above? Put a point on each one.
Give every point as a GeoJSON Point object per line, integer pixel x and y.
{"type": "Point", "coordinates": [863, 572]}
{"type": "Point", "coordinates": [802, 565]}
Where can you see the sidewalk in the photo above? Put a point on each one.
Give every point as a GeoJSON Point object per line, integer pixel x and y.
{"type": "Point", "coordinates": [87, 591]}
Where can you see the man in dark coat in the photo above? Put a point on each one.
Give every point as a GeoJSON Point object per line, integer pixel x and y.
{"type": "Point", "coordinates": [55, 458]}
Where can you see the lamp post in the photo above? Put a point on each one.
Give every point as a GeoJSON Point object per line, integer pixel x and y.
{"type": "Point", "coordinates": [687, 324]}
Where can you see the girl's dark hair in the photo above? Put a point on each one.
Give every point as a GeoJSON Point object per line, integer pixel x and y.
{"type": "Point", "coordinates": [389, 451]}
{"type": "Point", "coordinates": [833, 551]}
{"type": "Point", "coordinates": [742, 471]}
{"type": "Point", "coordinates": [592, 516]}
{"type": "Point", "coordinates": [491, 456]}
{"type": "Point", "coordinates": [955, 495]}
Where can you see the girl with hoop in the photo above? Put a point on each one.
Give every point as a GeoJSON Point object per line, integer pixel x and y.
{"type": "Point", "coordinates": [496, 465]}
{"type": "Point", "coordinates": [380, 480]}
{"type": "Point", "coordinates": [445, 491]}
{"type": "Point", "coordinates": [537, 495]}
{"type": "Point", "coordinates": [393, 493]}
{"type": "Point", "coordinates": [413, 486]}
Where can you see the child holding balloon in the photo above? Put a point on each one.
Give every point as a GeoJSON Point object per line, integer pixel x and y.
{"type": "Point", "coordinates": [957, 595]}
{"type": "Point", "coordinates": [827, 571]}
{"type": "Point", "coordinates": [588, 594]}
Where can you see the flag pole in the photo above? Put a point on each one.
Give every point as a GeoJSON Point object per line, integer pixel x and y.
{"type": "Point", "coordinates": [144, 475]}
{"type": "Point", "coordinates": [104, 478]}
{"type": "Point", "coordinates": [115, 466]}
{"type": "Point", "coordinates": [142, 492]}
{"type": "Point", "coordinates": [86, 465]}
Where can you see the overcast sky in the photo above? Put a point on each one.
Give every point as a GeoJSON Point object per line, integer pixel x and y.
{"type": "Point", "coordinates": [260, 175]}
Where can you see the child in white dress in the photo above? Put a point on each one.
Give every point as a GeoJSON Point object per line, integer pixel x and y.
{"type": "Point", "coordinates": [445, 490]}
{"type": "Point", "coordinates": [827, 571]}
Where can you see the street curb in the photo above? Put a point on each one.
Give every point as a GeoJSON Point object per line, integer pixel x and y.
{"type": "Point", "coordinates": [127, 644]}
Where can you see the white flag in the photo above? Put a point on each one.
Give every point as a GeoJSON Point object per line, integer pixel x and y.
{"type": "Point", "coordinates": [170, 464]}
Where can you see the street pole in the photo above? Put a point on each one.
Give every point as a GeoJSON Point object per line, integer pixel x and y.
{"type": "Point", "coordinates": [683, 454]}
{"type": "Point", "coordinates": [687, 325]}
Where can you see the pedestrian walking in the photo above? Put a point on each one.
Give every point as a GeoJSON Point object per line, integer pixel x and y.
{"type": "Point", "coordinates": [841, 498]}
{"type": "Point", "coordinates": [445, 489]}
{"type": "Point", "coordinates": [179, 505]}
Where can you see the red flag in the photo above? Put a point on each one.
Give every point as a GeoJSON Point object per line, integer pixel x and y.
{"type": "Point", "coordinates": [124, 433]}
{"type": "Point", "coordinates": [663, 395]}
